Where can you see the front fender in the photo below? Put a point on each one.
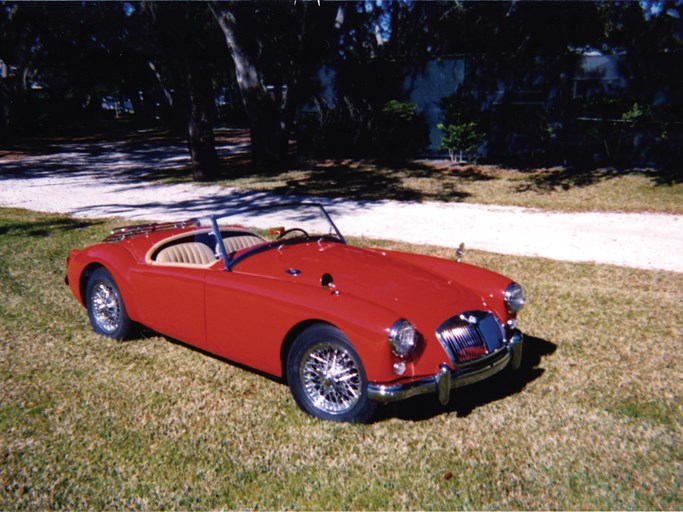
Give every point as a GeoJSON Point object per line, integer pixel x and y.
{"type": "Point", "coordinates": [241, 308]}
{"type": "Point", "coordinates": [488, 285]}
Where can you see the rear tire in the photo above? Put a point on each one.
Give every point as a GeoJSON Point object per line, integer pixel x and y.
{"type": "Point", "coordinates": [327, 378]}
{"type": "Point", "coordinates": [106, 310]}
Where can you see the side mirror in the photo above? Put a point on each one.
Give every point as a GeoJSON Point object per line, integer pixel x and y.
{"type": "Point", "coordinates": [460, 252]}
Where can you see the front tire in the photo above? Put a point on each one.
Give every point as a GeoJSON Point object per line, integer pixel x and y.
{"type": "Point", "coordinates": [327, 378]}
{"type": "Point", "coordinates": [106, 310]}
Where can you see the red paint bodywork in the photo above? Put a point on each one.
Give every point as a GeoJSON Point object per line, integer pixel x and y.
{"type": "Point", "coordinates": [249, 313]}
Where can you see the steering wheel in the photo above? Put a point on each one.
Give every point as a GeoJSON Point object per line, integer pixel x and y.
{"type": "Point", "coordinates": [287, 231]}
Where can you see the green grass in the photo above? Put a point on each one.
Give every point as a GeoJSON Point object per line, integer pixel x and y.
{"type": "Point", "coordinates": [593, 421]}
{"type": "Point", "coordinates": [558, 189]}
{"type": "Point", "coordinates": [555, 188]}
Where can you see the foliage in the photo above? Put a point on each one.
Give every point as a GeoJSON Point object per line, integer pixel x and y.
{"type": "Point", "coordinates": [401, 131]}
{"type": "Point", "coordinates": [63, 60]}
{"type": "Point", "coordinates": [622, 131]}
{"type": "Point", "coordinates": [352, 127]}
{"type": "Point", "coordinates": [463, 135]}
{"type": "Point", "coordinates": [396, 110]}
{"type": "Point", "coordinates": [458, 108]}
{"type": "Point", "coordinates": [461, 141]}
{"type": "Point", "coordinates": [637, 114]}
{"type": "Point", "coordinates": [90, 423]}
{"type": "Point", "coordinates": [345, 128]}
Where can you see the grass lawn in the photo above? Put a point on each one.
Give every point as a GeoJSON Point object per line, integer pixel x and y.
{"type": "Point", "coordinates": [551, 189]}
{"type": "Point", "coordinates": [594, 420]}
{"type": "Point", "coordinates": [556, 188]}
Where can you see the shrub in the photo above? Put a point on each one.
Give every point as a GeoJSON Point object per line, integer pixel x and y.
{"type": "Point", "coordinates": [343, 128]}
{"type": "Point", "coordinates": [400, 110]}
{"type": "Point", "coordinates": [463, 134]}
{"type": "Point", "coordinates": [401, 130]}
{"type": "Point", "coordinates": [461, 141]}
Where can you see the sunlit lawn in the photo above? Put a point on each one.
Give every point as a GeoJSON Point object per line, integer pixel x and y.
{"type": "Point", "coordinates": [593, 421]}
{"type": "Point", "coordinates": [556, 188]}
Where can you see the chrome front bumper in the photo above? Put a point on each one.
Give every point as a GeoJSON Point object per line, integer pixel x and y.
{"type": "Point", "coordinates": [446, 379]}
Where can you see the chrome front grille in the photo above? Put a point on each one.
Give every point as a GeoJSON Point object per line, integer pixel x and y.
{"type": "Point", "coordinates": [462, 342]}
{"type": "Point", "coordinates": [470, 336]}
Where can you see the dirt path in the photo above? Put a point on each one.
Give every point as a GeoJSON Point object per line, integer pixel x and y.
{"type": "Point", "coordinates": [109, 182]}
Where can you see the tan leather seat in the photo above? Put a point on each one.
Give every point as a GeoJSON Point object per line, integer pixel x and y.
{"type": "Point", "coordinates": [239, 242]}
{"type": "Point", "coordinates": [190, 253]}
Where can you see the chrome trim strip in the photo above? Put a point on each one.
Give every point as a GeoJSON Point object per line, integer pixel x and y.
{"type": "Point", "coordinates": [516, 347]}
{"type": "Point", "coordinates": [124, 232]}
{"type": "Point", "coordinates": [443, 383]}
{"type": "Point", "coordinates": [445, 379]}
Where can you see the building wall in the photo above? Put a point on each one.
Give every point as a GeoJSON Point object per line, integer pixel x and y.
{"type": "Point", "coordinates": [426, 87]}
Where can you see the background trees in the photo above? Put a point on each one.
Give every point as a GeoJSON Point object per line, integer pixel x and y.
{"type": "Point", "coordinates": [192, 68]}
{"type": "Point", "coordinates": [265, 42]}
{"type": "Point", "coordinates": [335, 76]}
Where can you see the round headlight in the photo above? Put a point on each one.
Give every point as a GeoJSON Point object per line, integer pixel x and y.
{"type": "Point", "coordinates": [514, 298]}
{"type": "Point", "coordinates": [403, 338]}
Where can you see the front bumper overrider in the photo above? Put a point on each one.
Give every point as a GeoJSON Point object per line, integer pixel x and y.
{"type": "Point", "coordinates": [446, 379]}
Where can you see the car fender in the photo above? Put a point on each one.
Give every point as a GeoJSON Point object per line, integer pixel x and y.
{"type": "Point", "coordinates": [367, 325]}
{"type": "Point", "coordinates": [116, 259]}
{"type": "Point", "coordinates": [488, 285]}
{"type": "Point", "coordinates": [241, 307]}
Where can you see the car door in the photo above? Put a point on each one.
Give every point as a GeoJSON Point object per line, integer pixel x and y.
{"type": "Point", "coordinates": [171, 301]}
{"type": "Point", "coordinates": [248, 315]}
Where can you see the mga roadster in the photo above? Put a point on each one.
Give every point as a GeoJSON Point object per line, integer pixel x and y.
{"type": "Point", "coordinates": [279, 289]}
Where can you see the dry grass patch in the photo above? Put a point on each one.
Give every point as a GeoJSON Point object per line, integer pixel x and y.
{"type": "Point", "coordinates": [558, 188]}
{"type": "Point", "coordinates": [593, 420]}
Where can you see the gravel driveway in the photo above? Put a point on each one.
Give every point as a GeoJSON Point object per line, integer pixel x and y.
{"type": "Point", "coordinates": [88, 180]}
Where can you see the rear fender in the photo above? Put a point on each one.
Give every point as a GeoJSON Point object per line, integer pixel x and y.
{"type": "Point", "coordinates": [116, 259]}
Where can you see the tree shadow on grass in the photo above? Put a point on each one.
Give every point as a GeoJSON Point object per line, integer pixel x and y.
{"type": "Point", "coordinates": [46, 227]}
{"type": "Point", "coordinates": [466, 399]}
{"type": "Point", "coordinates": [408, 180]}
{"type": "Point", "coordinates": [566, 178]}
{"type": "Point", "coordinates": [464, 172]}
{"type": "Point", "coordinates": [360, 180]}
{"type": "Point", "coordinates": [351, 181]}
{"type": "Point", "coordinates": [348, 178]}
{"type": "Point", "coordinates": [136, 157]}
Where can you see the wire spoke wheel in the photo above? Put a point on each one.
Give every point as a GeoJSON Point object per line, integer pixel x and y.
{"type": "Point", "coordinates": [106, 308]}
{"type": "Point", "coordinates": [327, 377]}
{"type": "Point", "coordinates": [331, 378]}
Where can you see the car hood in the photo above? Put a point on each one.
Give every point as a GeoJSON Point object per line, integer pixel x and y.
{"type": "Point", "coordinates": [376, 276]}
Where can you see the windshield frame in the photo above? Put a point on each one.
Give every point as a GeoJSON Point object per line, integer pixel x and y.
{"type": "Point", "coordinates": [229, 263]}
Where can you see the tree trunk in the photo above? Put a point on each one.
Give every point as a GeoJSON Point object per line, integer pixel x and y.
{"type": "Point", "coordinates": [200, 137]}
{"type": "Point", "coordinates": [4, 112]}
{"type": "Point", "coordinates": [266, 117]}
{"type": "Point", "coordinates": [188, 89]}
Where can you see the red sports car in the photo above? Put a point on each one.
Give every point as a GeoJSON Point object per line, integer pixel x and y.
{"type": "Point", "coordinates": [279, 289]}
